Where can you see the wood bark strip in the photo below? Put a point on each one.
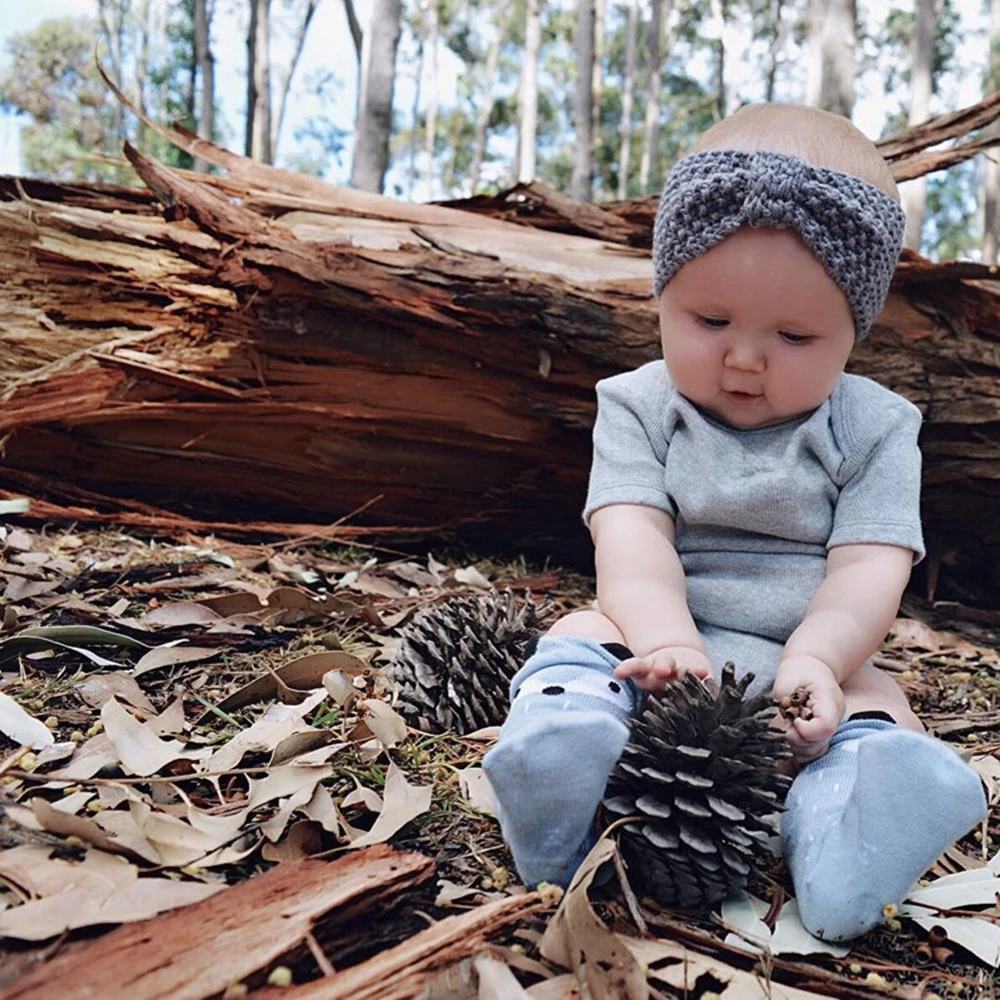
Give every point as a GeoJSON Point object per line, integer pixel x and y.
{"type": "Point", "coordinates": [197, 951]}
{"type": "Point", "coordinates": [402, 972]}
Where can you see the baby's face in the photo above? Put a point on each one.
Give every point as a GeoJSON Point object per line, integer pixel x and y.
{"type": "Point", "coordinates": [754, 330]}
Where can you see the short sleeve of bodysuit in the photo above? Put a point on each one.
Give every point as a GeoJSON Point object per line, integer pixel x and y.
{"type": "Point", "coordinates": [879, 499]}
{"type": "Point", "coordinates": [630, 443]}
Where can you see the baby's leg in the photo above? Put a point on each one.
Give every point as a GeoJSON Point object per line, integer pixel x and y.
{"type": "Point", "coordinates": [567, 726]}
{"type": "Point", "coordinates": [867, 819]}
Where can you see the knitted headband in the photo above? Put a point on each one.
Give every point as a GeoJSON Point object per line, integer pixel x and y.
{"type": "Point", "coordinates": [854, 228]}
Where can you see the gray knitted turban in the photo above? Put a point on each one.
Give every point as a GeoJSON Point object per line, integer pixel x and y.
{"type": "Point", "coordinates": [853, 227]}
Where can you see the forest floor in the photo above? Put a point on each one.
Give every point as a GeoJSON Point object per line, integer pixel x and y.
{"type": "Point", "coordinates": [193, 690]}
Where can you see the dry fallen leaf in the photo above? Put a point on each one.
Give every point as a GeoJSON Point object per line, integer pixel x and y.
{"type": "Point", "coordinates": [170, 655]}
{"type": "Point", "coordinates": [102, 889]}
{"type": "Point", "coordinates": [743, 913]}
{"type": "Point", "coordinates": [472, 577]}
{"type": "Point", "coordinates": [97, 689]}
{"type": "Point", "coordinates": [180, 613]}
{"type": "Point", "coordinates": [496, 981]}
{"type": "Point", "coordinates": [22, 728]}
{"type": "Point", "coordinates": [277, 724]}
{"type": "Point", "coordinates": [385, 723]}
{"type": "Point", "coordinates": [139, 749]}
{"type": "Point", "coordinates": [401, 803]}
{"type": "Point", "coordinates": [304, 673]}
{"type": "Point", "coordinates": [476, 788]}
{"type": "Point", "coordinates": [578, 940]}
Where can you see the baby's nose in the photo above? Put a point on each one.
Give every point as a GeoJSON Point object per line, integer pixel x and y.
{"type": "Point", "coordinates": [744, 357]}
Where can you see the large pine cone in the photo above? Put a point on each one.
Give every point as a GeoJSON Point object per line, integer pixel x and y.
{"type": "Point", "coordinates": [453, 667]}
{"type": "Point", "coordinates": [699, 771]}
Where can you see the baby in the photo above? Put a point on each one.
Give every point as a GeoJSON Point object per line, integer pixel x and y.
{"type": "Point", "coordinates": [749, 501]}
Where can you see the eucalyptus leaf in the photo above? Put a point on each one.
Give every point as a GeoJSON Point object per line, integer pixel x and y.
{"type": "Point", "coordinates": [73, 637]}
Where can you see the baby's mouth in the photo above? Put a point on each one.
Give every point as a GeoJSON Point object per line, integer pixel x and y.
{"type": "Point", "coordinates": [742, 397]}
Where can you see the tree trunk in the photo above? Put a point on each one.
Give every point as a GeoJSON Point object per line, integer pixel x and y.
{"type": "Point", "coordinates": [373, 124]}
{"type": "Point", "coordinates": [354, 26]}
{"type": "Point", "coordinates": [719, 9]}
{"type": "Point", "coordinates": [142, 72]}
{"type": "Point", "coordinates": [206, 70]}
{"type": "Point", "coordinates": [259, 82]}
{"type": "Point", "coordinates": [112, 26]}
{"type": "Point", "coordinates": [660, 13]}
{"type": "Point", "coordinates": [774, 50]}
{"type": "Point", "coordinates": [628, 83]}
{"type": "Point", "coordinates": [831, 38]}
{"type": "Point", "coordinates": [527, 94]}
{"type": "Point", "coordinates": [430, 119]}
{"type": "Point", "coordinates": [583, 102]}
{"type": "Point", "coordinates": [418, 81]}
{"type": "Point", "coordinates": [991, 162]}
{"type": "Point", "coordinates": [597, 87]}
{"type": "Point", "coordinates": [914, 193]}
{"type": "Point", "coordinates": [286, 81]}
{"type": "Point", "coordinates": [485, 108]}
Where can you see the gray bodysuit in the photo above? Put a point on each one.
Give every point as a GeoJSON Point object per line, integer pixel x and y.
{"type": "Point", "coordinates": [756, 510]}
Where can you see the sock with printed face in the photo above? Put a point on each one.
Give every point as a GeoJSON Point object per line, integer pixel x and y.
{"type": "Point", "coordinates": [567, 726]}
{"type": "Point", "coordinates": [865, 821]}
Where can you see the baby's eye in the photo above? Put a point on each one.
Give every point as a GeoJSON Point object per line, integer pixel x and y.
{"type": "Point", "coordinates": [715, 322]}
{"type": "Point", "coordinates": [794, 338]}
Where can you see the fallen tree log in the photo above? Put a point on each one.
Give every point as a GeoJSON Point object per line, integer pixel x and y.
{"type": "Point", "coordinates": [268, 347]}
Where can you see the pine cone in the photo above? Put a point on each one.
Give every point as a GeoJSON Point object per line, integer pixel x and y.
{"type": "Point", "coordinates": [453, 668]}
{"type": "Point", "coordinates": [699, 770]}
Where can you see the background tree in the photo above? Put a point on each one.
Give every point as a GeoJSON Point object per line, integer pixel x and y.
{"type": "Point", "coordinates": [485, 108]}
{"type": "Point", "coordinates": [258, 117]}
{"type": "Point", "coordinates": [625, 131]}
{"type": "Point", "coordinates": [657, 48]}
{"type": "Point", "coordinates": [597, 84]}
{"type": "Point", "coordinates": [527, 93]}
{"type": "Point", "coordinates": [206, 72]}
{"type": "Point", "coordinates": [307, 13]}
{"type": "Point", "coordinates": [74, 128]}
{"type": "Point", "coordinates": [832, 37]}
{"type": "Point", "coordinates": [583, 102]}
{"type": "Point", "coordinates": [378, 76]}
{"type": "Point", "coordinates": [991, 166]}
{"type": "Point", "coordinates": [914, 193]}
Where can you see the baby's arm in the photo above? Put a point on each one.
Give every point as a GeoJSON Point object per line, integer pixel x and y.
{"type": "Point", "coordinates": [641, 588]}
{"type": "Point", "coordinates": [847, 618]}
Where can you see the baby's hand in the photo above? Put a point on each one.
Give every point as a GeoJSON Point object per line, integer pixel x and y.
{"type": "Point", "coordinates": [652, 671]}
{"type": "Point", "coordinates": [819, 694]}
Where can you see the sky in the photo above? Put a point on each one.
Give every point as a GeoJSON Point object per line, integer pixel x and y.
{"type": "Point", "coordinates": [329, 47]}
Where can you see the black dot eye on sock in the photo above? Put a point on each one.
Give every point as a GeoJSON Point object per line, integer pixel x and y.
{"type": "Point", "coordinates": [553, 689]}
{"type": "Point", "coordinates": [615, 686]}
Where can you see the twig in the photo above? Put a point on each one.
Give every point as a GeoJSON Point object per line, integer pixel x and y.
{"type": "Point", "coordinates": [317, 953]}
{"type": "Point", "coordinates": [153, 779]}
{"type": "Point", "coordinates": [325, 533]}
{"type": "Point", "coordinates": [630, 901]}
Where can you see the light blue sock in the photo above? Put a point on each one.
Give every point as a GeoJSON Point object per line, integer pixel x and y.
{"type": "Point", "coordinates": [567, 726]}
{"type": "Point", "coordinates": [867, 819]}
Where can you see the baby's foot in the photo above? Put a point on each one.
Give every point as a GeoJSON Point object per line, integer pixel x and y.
{"type": "Point", "coordinates": [566, 729]}
{"type": "Point", "coordinates": [866, 820]}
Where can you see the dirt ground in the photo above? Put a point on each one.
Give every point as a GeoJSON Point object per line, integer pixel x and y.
{"type": "Point", "coordinates": [216, 708]}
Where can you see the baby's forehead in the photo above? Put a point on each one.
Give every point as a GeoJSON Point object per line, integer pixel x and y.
{"type": "Point", "coordinates": [820, 138]}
